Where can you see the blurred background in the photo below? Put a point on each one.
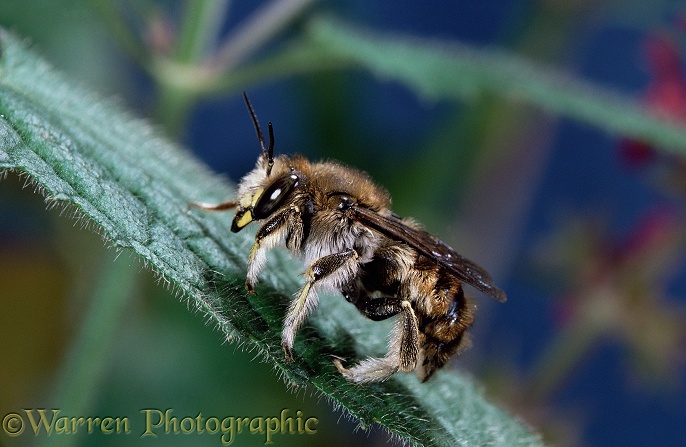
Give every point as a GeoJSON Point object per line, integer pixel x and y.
{"type": "Point", "coordinates": [584, 230]}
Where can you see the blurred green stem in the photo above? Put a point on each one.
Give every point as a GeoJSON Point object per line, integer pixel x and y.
{"type": "Point", "coordinates": [296, 58]}
{"type": "Point", "coordinates": [114, 21]}
{"type": "Point", "coordinates": [256, 31]}
{"type": "Point", "coordinates": [201, 26]}
{"type": "Point", "coordinates": [172, 107]}
{"type": "Point", "coordinates": [86, 359]}
{"type": "Point", "coordinates": [201, 23]}
{"type": "Point", "coordinates": [449, 70]}
{"type": "Point", "coordinates": [194, 70]}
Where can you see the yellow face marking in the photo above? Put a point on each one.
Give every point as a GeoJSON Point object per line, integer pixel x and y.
{"type": "Point", "coordinates": [256, 197]}
{"type": "Point", "coordinates": [245, 219]}
{"type": "Point", "coordinates": [247, 202]}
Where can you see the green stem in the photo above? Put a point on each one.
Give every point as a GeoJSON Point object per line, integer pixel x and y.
{"type": "Point", "coordinates": [86, 359]}
{"type": "Point", "coordinates": [172, 107]}
{"type": "Point", "coordinates": [202, 22]}
{"type": "Point", "coordinates": [256, 31]}
{"type": "Point", "coordinates": [453, 71]}
{"type": "Point", "coordinates": [298, 58]}
{"type": "Point", "coordinates": [113, 19]}
{"type": "Point", "coordinates": [200, 25]}
{"type": "Point", "coordinates": [185, 84]}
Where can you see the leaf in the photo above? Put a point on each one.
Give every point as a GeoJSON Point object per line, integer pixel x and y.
{"type": "Point", "coordinates": [133, 186]}
{"type": "Point", "coordinates": [441, 69]}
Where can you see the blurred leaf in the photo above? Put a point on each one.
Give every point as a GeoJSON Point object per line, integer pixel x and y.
{"type": "Point", "coordinates": [441, 69]}
{"type": "Point", "coordinates": [90, 155]}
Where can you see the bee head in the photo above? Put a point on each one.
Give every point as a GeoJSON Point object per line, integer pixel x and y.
{"type": "Point", "coordinates": [265, 201]}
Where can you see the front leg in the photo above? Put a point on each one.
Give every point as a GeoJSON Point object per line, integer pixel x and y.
{"type": "Point", "coordinates": [330, 271]}
{"type": "Point", "coordinates": [285, 227]}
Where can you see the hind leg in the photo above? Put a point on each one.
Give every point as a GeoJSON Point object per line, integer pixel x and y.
{"type": "Point", "coordinates": [402, 353]}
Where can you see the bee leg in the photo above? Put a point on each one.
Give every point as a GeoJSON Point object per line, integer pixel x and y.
{"type": "Point", "coordinates": [328, 271]}
{"type": "Point", "coordinates": [286, 224]}
{"type": "Point", "coordinates": [402, 355]}
{"type": "Point", "coordinates": [409, 341]}
{"type": "Point", "coordinates": [223, 206]}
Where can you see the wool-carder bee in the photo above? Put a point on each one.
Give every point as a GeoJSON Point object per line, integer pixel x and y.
{"type": "Point", "coordinates": [341, 224]}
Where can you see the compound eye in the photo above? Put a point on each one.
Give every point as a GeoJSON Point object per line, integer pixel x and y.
{"type": "Point", "coordinates": [274, 196]}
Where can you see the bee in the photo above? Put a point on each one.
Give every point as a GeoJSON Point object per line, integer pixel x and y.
{"type": "Point", "coordinates": [340, 223]}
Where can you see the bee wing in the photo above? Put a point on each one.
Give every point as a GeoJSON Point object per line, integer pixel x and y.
{"type": "Point", "coordinates": [431, 247]}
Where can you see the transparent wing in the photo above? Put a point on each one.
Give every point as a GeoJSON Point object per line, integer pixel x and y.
{"type": "Point", "coordinates": [431, 247]}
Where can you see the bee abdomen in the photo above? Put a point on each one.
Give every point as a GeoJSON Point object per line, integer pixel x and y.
{"type": "Point", "coordinates": [445, 335]}
{"type": "Point", "coordinates": [437, 353]}
{"type": "Point", "coordinates": [447, 326]}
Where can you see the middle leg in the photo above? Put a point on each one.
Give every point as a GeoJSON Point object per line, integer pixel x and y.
{"type": "Point", "coordinates": [285, 227]}
{"type": "Point", "coordinates": [331, 271]}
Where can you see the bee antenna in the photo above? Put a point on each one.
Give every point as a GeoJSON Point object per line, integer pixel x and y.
{"type": "Point", "coordinates": [270, 151]}
{"type": "Point", "coordinates": [267, 153]}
